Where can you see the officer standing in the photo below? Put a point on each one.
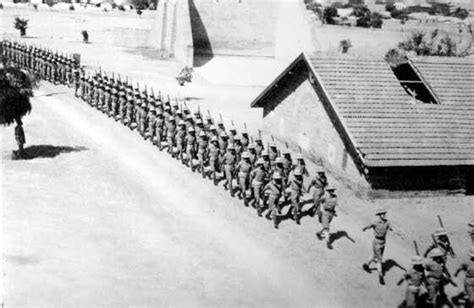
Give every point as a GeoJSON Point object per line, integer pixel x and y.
{"type": "Point", "coordinates": [380, 227]}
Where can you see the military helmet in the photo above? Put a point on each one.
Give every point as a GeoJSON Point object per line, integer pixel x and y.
{"type": "Point", "coordinates": [258, 138]}
{"type": "Point", "coordinates": [212, 127]}
{"type": "Point", "coordinates": [273, 145]}
{"type": "Point", "coordinates": [471, 223]}
{"type": "Point", "coordinates": [181, 122]}
{"type": "Point", "coordinates": [285, 151]}
{"type": "Point", "coordinates": [237, 138]}
{"type": "Point", "coordinates": [213, 138]}
{"type": "Point", "coordinates": [199, 121]}
{"type": "Point", "coordinates": [159, 112]}
{"type": "Point", "coordinates": [174, 104]}
{"type": "Point", "coordinates": [299, 156]}
{"type": "Point", "coordinates": [276, 176]}
{"type": "Point", "coordinates": [320, 170]}
{"type": "Point", "coordinates": [298, 172]}
{"type": "Point", "coordinates": [233, 129]}
{"type": "Point", "coordinates": [416, 260]}
{"type": "Point", "coordinates": [251, 146]}
{"type": "Point", "coordinates": [265, 153]}
{"type": "Point", "coordinates": [203, 134]}
{"type": "Point", "coordinates": [223, 135]}
{"type": "Point", "coordinates": [230, 147]}
{"type": "Point", "coordinates": [471, 252]}
{"type": "Point", "coordinates": [440, 232]}
{"type": "Point", "coordinates": [259, 162]}
{"type": "Point", "coordinates": [279, 160]}
{"type": "Point", "coordinates": [208, 117]}
{"type": "Point", "coordinates": [179, 111]}
{"type": "Point", "coordinates": [436, 252]}
{"type": "Point", "coordinates": [380, 211]}
{"type": "Point", "coordinates": [171, 118]}
{"type": "Point", "coordinates": [192, 130]}
{"type": "Point", "coordinates": [245, 155]}
{"type": "Point", "coordinates": [219, 122]}
{"type": "Point", "coordinates": [189, 117]}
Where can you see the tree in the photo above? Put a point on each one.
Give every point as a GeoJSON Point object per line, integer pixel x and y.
{"type": "Point", "coordinates": [376, 20]}
{"type": "Point", "coordinates": [389, 7]}
{"type": "Point", "coordinates": [17, 88]}
{"type": "Point", "coordinates": [460, 13]}
{"type": "Point", "coordinates": [431, 44]}
{"type": "Point", "coordinates": [328, 15]}
{"type": "Point", "coordinates": [21, 24]}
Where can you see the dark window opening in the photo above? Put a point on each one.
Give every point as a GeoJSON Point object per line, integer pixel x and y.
{"type": "Point", "coordinates": [413, 85]}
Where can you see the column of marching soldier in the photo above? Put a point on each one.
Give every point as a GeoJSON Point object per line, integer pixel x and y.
{"type": "Point", "coordinates": [263, 177]}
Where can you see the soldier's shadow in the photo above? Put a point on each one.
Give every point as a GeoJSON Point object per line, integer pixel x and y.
{"type": "Point", "coordinates": [389, 264]}
{"type": "Point", "coordinates": [49, 151]}
{"type": "Point", "coordinates": [339, 235]}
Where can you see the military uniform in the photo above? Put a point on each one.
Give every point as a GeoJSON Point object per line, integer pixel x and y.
{"type": "Point", "coordinates": [258, 176]}
{"type": "Point", "coordinates": [319, 183]}
{"type": "Point", "coordinates": [415, 278]}
{"type": "Point", "coordinates": [328, 204]}
{"type": "Point", "coordinates": [380, 227]}
{"type": "Point", "coordinates": [471, 230]}
{"type": "Point", "coordinates": [244, 167]}
{"type": "Point", "coordinates": [214, 158]}
{"type": "Point", "coordinates": [229, 161]}
{"type": "Point", "coordinates": [435, 277]}
{"type": "Point", "coordinates": [273, 192]}
{"type": "Point", "coordinates": [468, 268]}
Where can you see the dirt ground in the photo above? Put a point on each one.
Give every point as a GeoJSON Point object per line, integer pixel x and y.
{"type": "Point", "coordinates": [102, 218]}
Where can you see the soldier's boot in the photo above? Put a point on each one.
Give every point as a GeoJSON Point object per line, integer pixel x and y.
{"type": "Point", "coordinates": [381, 280]}
{"type": "Point", "coordinates": [246, 201]}
{"type": "Point", "coordinates": [366, 268]}
{"type": "Point", "coordinates": [328, 240]}
{"type": "Point", "coordinates": [318, 235]}
{"type": "Point", "coordinates": [275, 219]}
{"type": "Point", "coordinates": [232, 191]}
{"type": "Point", "coordinates": [259, 210]}
{"type": "Point", "coordinates": [296, 216]}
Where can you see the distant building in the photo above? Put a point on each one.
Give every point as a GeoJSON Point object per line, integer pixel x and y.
{"type": "Point", "coordinates": [409, 127]}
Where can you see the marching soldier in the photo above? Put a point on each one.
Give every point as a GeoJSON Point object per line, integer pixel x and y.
{"type": "Point", "coordinates": [232, 134]}
{"type": "Point", "coordinates": [266, 162]}
{"type": "Point", "coordinates": [191, 147]}
{"type": "Point", "coordinates": [301, 164]}
{"type": "Point", "coordinates": [229, 161]}
{"type": "Point", "coordinates": [273, 192]}
{"type": "Point", "coordinates": [143, 119]}
{"type": "Point", "coordinates": [201, 152]}
{"type": "Point", "coordinates": [213, 158]}
{"type": "Point", "coordinates": [272, 153]}
{"type": "Point", "coordinates": [258, 176]}
{"type": "Point", "coordinates": [441, 241]}
{"type": "Point", "coordinates": [328, 211]}
{"type": "Point", "coordinates": [244, 167]}
{"type": "Point", "coordinates": [252, 154]}
{"type": "Point", "coordinates": [319, 183]}
{"type": "Point", "coordinates": [238, 147]}
{"type": "Point", "coordinates": [296, 188]}
{"type": "Point", "coordinates": [468, 268]}
{"type": "Point", "coordinates": [129, 111]}
{"type": "Point", "coordinates": [20, 138]}
{"type": "Point", "coordinates": [151, 119]}
{"type": "Point", "coordinates": [259, 146]}
{"type": "Point", "coordinates": [199, 127]}
{"type": "Point", "coordinates": [180, 135]}
{"type": "Point", "coordinates": [415, 278]}
{"type": "Point", "coordinates": [245, 141]}
{"type": "Point", "coordinates": [170, 134]}
{"type": "Point", "coordinates": [287, 162]}
{"type": "Point", "coordinates": [380, 227]}
{"type": "Point", "coordinates": [159, 129]}
{"type": "Point", "coordinates": [437, 275]}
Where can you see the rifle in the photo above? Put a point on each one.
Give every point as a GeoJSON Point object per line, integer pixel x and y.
{"type": "Point", "coordinates": [273, 139]}
{"type": "Point", "coordinates": [416, 248]}
{"type": "Point", "coordinates": [450, 248]}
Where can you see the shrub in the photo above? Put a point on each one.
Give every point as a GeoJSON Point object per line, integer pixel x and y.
{"type": "Point", "coordinates": [121, 7]}
{"type": "Point", "coordinates": [460, 13]}
{"type": "Point", "coordinates": [328, 15]}
{"type": "Point", "coordinates": [399, 14]}
{"type": "Point", "coordinates": [71, 7]}
{"type": "Point", "coordinates": [390, 7]}
{"type": "Point", "coordinates": [376, 20]}
{"type": "Point", "coordinates": [1, 6]}
{"type": "Point", "coordinates": [21, 24]}
{"type": "Point", "coordinates": [139, 12]}
{"type": "Point", "coordinates": [35, 6]}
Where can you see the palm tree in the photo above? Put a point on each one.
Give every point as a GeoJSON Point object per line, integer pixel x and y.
{"type": "Point", "coordinates": [17, 88]}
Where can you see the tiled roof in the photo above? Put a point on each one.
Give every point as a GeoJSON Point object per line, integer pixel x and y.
{"type": "Point", "coordinates": [388, 127]}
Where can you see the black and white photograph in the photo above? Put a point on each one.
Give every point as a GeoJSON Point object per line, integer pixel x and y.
{"type": "Point", "coordinates": [237, 153]}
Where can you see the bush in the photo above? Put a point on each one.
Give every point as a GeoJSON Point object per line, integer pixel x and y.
{"type": "Point", "coordinates": [376, 20]}
{"type": "Point", "coordinates": [139, 12]}
{"type": "Point", "coordinates": [1, 6]}
{"type": "Point", "coordinates": [399, 14]}
{"type": "Point", "coordinates": [35, 6]}
{"type": "Point", "coordinates": [121, 7]}
{"type": "Point", "coordinates": [71, 7]}
{"type": "Point", "coordinates": [390, 7]}
{"type": "Point", "coordinates": [328, 15]}
{"type": "Point", "coordinates": [460, 13]}
{"type": "Point", "coordinates": [21, 24]}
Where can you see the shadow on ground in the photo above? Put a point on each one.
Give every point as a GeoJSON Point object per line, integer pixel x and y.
{"type": "Point", "coordinates": [49, 151]}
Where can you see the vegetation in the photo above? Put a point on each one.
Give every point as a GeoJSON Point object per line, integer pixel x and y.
{"type": "Point", "coordinates": [17, 88]}
{"type": "Point", "coordinates": [365, 18]}
{"type": "Point", "coordinates": [345, 45]}
{"type": "Point", "coordinates": [21, 24]}
{"type": "Point", "coordinates": [428, 44]}
{"type": "Point", "coordinates": [71, 7]}
{"type": "Point", "coordinates": [329, 14]}
{"type": "Point", "coordinates": [460, 13]}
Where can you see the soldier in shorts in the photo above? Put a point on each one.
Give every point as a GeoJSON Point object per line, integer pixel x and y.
{"type": "Point", "coordinates": [319, 183]}
{"type": "Point", "coordinates": [273, 192]}
{"type": "Point", "coordinates": [415, 278]}
{"type": "Point", "coordinates": [380, 227]}
{"type": "Point", "coordinates": [468, 268]}
{"type": "Point", "coordinates": [328, 211]}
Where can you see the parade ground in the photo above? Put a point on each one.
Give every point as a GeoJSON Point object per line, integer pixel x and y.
{"type": "Point", "coordinates": [99, 217]}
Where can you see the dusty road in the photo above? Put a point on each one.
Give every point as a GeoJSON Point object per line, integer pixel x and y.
{"type": "Point", "coordinates": [112, 221]}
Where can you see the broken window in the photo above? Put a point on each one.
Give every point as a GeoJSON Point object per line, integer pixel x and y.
{"type": "Point", "coordinates": [413, 83]}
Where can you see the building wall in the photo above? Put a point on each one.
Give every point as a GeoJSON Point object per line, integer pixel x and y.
{"type": "Point", "coordinates": [296, 115]}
